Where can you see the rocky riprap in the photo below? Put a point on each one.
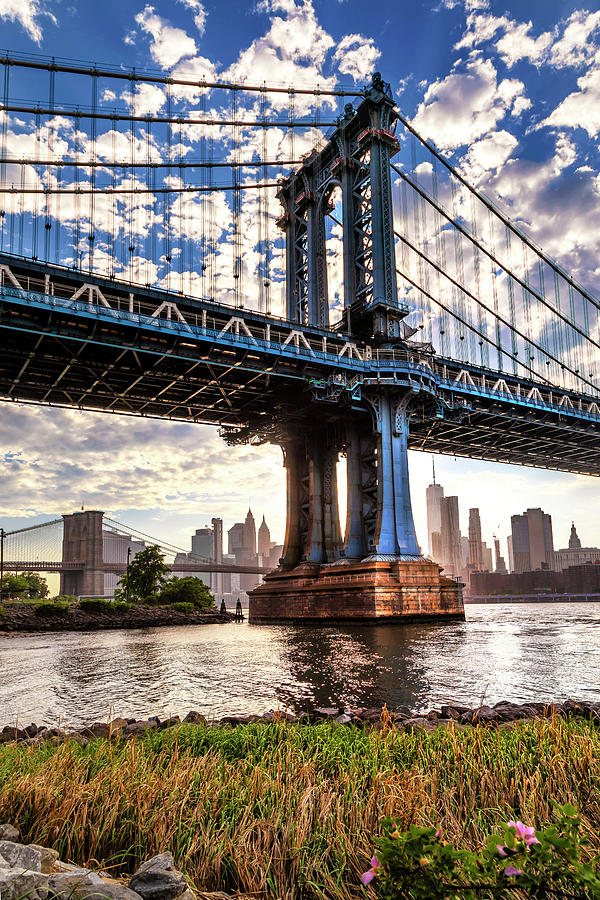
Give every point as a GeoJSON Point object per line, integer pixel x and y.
{"type": "Point", "coordinates": [22, 617]}
{"type": "Point", "coordinates": [502, 715]}
{"type": "Point", "coordinates": [28, 870]}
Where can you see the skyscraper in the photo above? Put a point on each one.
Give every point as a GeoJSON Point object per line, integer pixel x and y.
{"type": "Point", "coordinates": [451, 538]}
{"type": "Point", "coordinates": [574, 541]}
{"type": "Point", "coordinates": [475, 561]}
{"type": "Point", "coordinates": [250, 534]}
{"type": "Point", "coordinates": [433, 495]}
{"type": "Point", "coordinates": [217, 554]}
{"type": "Point", "coordinates": [264, 539]}
{"type": "Point", "coordinates": [532, 542]}
{"type": "Point", "coordinates": [500, 564]}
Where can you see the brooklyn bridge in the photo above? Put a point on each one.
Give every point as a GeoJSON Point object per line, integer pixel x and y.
{"type": "Point", "coordinates": [345, 291]}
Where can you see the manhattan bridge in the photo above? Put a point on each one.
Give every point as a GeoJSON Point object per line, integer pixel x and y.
{"type": "Point", "coordinates": [295, 265]}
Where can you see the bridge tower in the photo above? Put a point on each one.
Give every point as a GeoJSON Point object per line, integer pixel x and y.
{"type": "Point", "coordinates": [376, 571]}
{"type": "Point", "coordinates": [82, 543]}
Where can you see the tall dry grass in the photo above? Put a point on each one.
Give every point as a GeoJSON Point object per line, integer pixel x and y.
{"type": "Point", "coordinates": [291, 811]}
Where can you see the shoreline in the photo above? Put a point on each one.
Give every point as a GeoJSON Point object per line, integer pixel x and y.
{"type": "Point", "coordinates": [23, 619]}
{"type": "Point", "coordinates": [503, 714]}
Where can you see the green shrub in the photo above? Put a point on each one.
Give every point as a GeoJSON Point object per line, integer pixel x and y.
{"type": "Point", "coordinates": [184, 607]}
{"type": "Point", "coordinates": [2, 612]}
{"type": "Point", "coordinates": [419, 864]}
{"type": "Point", "coordinates": [53, 610]}
{"type": "Point", "coordinates": [187, 590]}
{"type": "Point", "coordinates": [63, 598]}
{"type": "Point", "coordinates": [120, 606]}
{"type": "Point", "coordinates": [96, 605]}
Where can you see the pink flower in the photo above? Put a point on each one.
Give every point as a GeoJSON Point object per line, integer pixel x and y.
{"type": "Point", "coordinates": [524, 833]}
{"type": "Point", "coordinates": [438, 834]}
{"type": "Point", "coordinates": [501, 850]}
{"type": "Point", "coordinates": [511, 871]}
{"type": "Point", "coordinates": [367, 877]}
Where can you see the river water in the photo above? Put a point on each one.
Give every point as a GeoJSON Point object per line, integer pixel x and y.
{"type": "Point", "coordinates": [516, 652]}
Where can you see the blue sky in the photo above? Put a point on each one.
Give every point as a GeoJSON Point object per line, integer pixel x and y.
{"type": "Point", "coordinates": [511, 91]}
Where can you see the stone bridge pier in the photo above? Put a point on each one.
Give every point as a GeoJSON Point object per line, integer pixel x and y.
{"type": "Point", "coordinates": [82, 543]}
{"type": "Point", "coordinates": [376, 571]}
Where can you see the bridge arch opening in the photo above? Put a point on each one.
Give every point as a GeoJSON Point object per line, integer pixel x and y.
{"type": "Point", "coordinates": [334, 253]}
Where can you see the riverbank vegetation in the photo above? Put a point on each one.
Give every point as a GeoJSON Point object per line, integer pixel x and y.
{"type": "Point", "coordinates": [281, 810]}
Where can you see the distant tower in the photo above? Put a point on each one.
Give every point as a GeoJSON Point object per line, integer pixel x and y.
{"type": "Point", "coordinates": [500, 563]}
{"type": "Point", "coordinates": [451, 537]}
{"type": "Point", "coordinates": [475, 560]}
{"type": "Point", "coordinates": [250, 534]}
{"type": "Point", "coordinates": [574, 542]}
{"type": "Point", "coordinates": [433, 494]}
{"type": "Point", "coordinates": [264, 539]}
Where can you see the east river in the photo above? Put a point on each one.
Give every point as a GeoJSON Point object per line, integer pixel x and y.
{"type": "Point", "coordinates": [513, 652]}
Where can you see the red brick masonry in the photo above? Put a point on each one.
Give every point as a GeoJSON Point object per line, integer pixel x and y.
{"type": "Point", "coordinates": [382, 591]}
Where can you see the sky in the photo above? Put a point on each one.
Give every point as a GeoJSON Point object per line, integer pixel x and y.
{"type": "Point", "coordinates": [509, 91]}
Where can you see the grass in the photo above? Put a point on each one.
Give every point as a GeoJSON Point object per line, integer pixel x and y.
{"type": "Point", "coordinates": [290, 811]}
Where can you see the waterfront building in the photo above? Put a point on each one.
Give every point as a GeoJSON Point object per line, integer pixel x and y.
{"type": "Point", "coordinates": [191, 558]}
{"type": "Point", "coordinates": [250, 534]}
{"type": "Point", "coordinates": [451, 537]}
{"type": "Point", "coordinates": [511, 558]}
{"type": "Point", "coordinates": [532, 541]}
{"type": "Point", "coordinates": [575, 554]}
{"type": "Point", "coordinates": [433, 497]}
{"type": "Point", "coordinates": [582, 580]}
{"type": "Point", "coordinates": [217, 579]}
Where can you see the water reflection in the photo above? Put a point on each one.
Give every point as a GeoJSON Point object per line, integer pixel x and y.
{"type": "Point", "coordinates": [548, 652]}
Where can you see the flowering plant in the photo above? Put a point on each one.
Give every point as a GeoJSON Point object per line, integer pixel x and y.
{"type": "Point", "coordinates": [516, 862]}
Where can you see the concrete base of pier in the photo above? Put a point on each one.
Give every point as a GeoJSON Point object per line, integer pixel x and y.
{"type": "Point", "coordinates": [376, 590]}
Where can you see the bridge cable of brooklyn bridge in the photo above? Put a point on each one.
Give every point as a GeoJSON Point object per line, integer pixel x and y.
{"type": "Point", "coordinates": [296, 265]}
{"type": "Point", "coordinates": [75, 545]}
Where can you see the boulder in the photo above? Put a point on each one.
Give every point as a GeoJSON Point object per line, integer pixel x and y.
{"type": "Point", "coordinates": [8, 832]}
{"type": "Point", "coordinates": [16, 884]}
{"type": "Point", "coordinates": [87, 886]}
{"type": "Point", "coordinates": [158, 879]}
{"type": "Point", "coordinates": [450, 712]}
{"type": "Point", "coordinates": [343, 719]}
{"type": "Point", "coordinates": [18, 856]}
{"type": "Point", "coordinates": [327, 712]}
{"type": "Point", "coordinates": [195, 718]}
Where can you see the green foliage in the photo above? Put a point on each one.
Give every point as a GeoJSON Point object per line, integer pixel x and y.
{"type": "Point", "coordinates": [145, 576]}
{"type": "Point", "coordinates": [189, 590]}
{"type": "Point", "coordinates": [26, 585]}
{"type": "Point", "coordinates": [52, 610]}
{"type": "Point", "coordinates": [2, 612]}
{"type": "Point", "coordinates": [96, 605]}
{"type": "Point", "coordinates": [120, 607]}
{"type": "Point", "coordinates": [419, 865]}
{"type": "Point", "coordinates": [64, 598]}
{"type": "Point", "coordinates": [184, 607]}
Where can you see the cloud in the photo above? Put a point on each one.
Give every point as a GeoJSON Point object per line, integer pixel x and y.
{"type": "Point", "coordinates": [356, 56]}
{"type": "Point", "coordinates": [575, 47]}
{"type": "Point", "coordinates": [518, 44]}
{"type": "Point", "coordinates": [26, 13]}
{"type": "Point", "coordinates": [199, 14]}
{"type": "Point", "coordinates": [464, 106]}
{"type": "Point", "coordinates": [169, 44]}
{"type": "Point", "coordinates": [489, 153]}
{"type": "Point", "coordinates": [580, 109]}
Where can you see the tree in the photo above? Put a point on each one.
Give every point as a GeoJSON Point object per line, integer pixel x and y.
{"type": "Point", "coordinates": [145, 577]}
{"type": "Point", "coordinates": [26, 584]}
{"type": "Point", "coordinates": [187, 590]}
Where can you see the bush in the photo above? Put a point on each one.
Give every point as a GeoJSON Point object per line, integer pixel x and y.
{"type": "Point", "coordinates": [96, 605]}
{"type": "Point", "coordinates": [418, 864]}
{"type": "Point", "coordinates": [187, 590]}
{"type": "Point", "coordinates": [2, 612]}
{"type": "Point", "coordinates": [184, 607]}
{"type": "Point", "coordinates": [119, 606]}
{"type": "Point", "coordinates": [63, 598]}
{"type": "Point", "coordinates": [53, 610]}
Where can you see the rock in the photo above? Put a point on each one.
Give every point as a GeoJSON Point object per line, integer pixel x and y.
{"type": "Point", "coordinates": [8, 832]}
{"type": "Point", "coordinates": [450, 712]}
{"type": "Point", "coordinates": [484, 714]}
{"type": "Point", "coordinates": [343, 719]}
{"type": "Point", "coordinates": [15, 884]}
{"type": "Point", "coordinates": [77, 738]}
{"type": "Point", "coordinates": [327, 712]}
{"type": "Point", "coordinates": [140, 727]}
{"type": "Point", "coordinates": [170, 722]}
{"type": "Point", "coordinates": [419, 723]}
{"type": "Point", "coordinates": [158, 879]}
{"type": "Point", "coordinates": [17, 856]}
{"type": "Point", "coordinates": [195, 718]}
{"type": "Point", "coordinates": [85, 886]}
{"type": "Point", "coordinates": [49, 857]}
{"type": "Point", "coordinates": [97, 730]}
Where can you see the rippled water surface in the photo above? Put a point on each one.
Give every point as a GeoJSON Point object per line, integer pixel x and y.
{"type": "Point", "coordinates": [514, 652]}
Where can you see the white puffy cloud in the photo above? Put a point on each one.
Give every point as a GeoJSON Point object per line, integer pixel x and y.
{"type": "Point", "coordinates": [169, 44]}
{"type": "Point", "coordinates": [466, 105]}
{"type": "Point", "coordinates": [356, 56]}
{"type": "Point", "coordinates": [199, 14]}
{"type": "Point", "coordinates": [575, 46]}
{"type": "Point", "coordinates": [580, 109]}
{"type": "Point", "coordinates": [517, 44]}
{"type": "Point", "coordinates": [27, 13]}
{"type": "Point", "coordinates": [489, 153]}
